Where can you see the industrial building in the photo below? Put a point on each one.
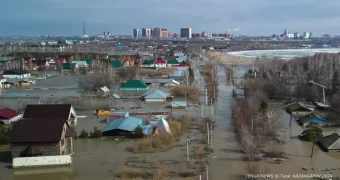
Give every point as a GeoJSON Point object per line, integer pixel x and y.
{"type": "Point", "coordinates": [135, 33]}
{"type": "Point", "coordinates": [186, 33]}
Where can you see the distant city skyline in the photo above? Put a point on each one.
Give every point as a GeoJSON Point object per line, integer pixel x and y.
{"type": "Point", "coordinates": [243, 17]}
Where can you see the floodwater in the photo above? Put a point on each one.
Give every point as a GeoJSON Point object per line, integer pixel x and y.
{"type": "Point", "coordinates": [228, 163]}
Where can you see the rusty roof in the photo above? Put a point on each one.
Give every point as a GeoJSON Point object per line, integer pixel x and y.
{"type": "Point", "coordinates": [61, 111]}
{"type": "Point", "coordinates": [37, 130]}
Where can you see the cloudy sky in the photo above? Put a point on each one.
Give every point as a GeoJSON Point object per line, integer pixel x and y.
{"type": "Point", "coordinates": [252, 17]}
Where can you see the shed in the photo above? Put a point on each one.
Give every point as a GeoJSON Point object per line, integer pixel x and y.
{"type": "Point", "coordinates": [81, 64]}
{"type": "Point", "coordinates": [147, 129]}
{"type": "Point", "coordinates": [330, 143]}
{"type": "Point", "coordinates": [122, 127]}
{"type": "Point", "coordinates": [179, 105]}
{"type": "Point", "coordinates": [172, 63]}
{"type": "Point", "coordinates": [312, 118]}
{"type": "Point", "coordinates": [163, 127]}
{"type": "Point", "coordinates": [172, 83]}
{"type": "Point", "coordinates": [156, 96]}
{"type": "Point", "coordinates": [298, 109]}
{"type": "Point", "coordinates": [9, 116]}
{"type": "Point", "coordinates": [133, 85]}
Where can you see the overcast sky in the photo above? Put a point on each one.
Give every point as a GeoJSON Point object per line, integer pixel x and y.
{"type": "Point", "coordinates": [252, 17]}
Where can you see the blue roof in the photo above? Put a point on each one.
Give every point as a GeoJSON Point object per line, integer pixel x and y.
{"type": "Point", "coordinates": [178, 54]}
{"type": "Point", "coordinates": [156, 94]}
{"type": "Point", "coordinates": [147, 129]}
{"type": "Point", "coordinates": [178, 104]}
{"type": "Point", "coordinates": [181, 58]}
{"type": "Point", "coordinates": [127, 123]}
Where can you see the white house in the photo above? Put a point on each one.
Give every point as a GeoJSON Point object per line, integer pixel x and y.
{"type": "Point", "coordinates": [19, 74]}
{"type": "Point", "coordinates": [81, 64]}
{"type": "Point", "coordinates": [9, 116]}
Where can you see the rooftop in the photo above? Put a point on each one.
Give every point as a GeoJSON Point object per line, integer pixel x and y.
{"type": "Point", "coordinates": [127, 123]}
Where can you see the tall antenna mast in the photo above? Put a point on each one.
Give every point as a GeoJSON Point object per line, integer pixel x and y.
{"type": "Point", "coordinates": [84, 32]}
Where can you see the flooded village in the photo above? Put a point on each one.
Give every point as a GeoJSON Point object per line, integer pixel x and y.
{"type": "Point", "coordinates": [170, 113]}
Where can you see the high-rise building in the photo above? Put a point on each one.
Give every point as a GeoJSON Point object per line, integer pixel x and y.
{"type": "Point", "coordinates": [135, 32]}
{"type": "Point", "coordinates": [186, 33]}
{"type": "Point", "coordinates": [296, 35]}
{"type": "Point", "coordinates": [107, 34]}
{"type": "Point", "coordinates": [157, 32]}
{"type": "Point", "coordinates": [171, 35]}
{"type": "Point", "coordinates": [307, 35]}
{"type": "Point", "coordinates": [164, 33]}
{"type": "Point", "coordinates": [153, 33]}
{"type": "Point", "coordinates": [285, 32]}
{"type": "Point", "coordinates": [196, 35]}
{"type": "Point", "coordinates": [146, 32]}
{"type": "Point", "coordinates": [176, 35]}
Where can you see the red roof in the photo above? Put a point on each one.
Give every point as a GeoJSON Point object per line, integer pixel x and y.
{"type": "Point", "coordinates": [160, 61]}
{"type": "Point", "coordinates": [7, 113]}
{"type": "Point", "coordinates": [58, 60]}
{"type": "Point", "coordinates": [128, 58]}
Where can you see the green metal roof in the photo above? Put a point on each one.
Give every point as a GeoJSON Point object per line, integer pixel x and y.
{"type": "Point", "coordinates": [134, 84]}
{"type": "Point", "coordinates": [172, 61]}
{"type": "Point", "coordinates": [157, 94]}
{"type": "Point", "coordinates": [148, 62]}
{"type": "Point", "coordinates": [116, 64]}
{"type": "Point", "coordinates": [67, 66]}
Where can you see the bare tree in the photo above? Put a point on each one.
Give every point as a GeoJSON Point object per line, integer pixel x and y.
{"type": "Point", "coordinates": [95, 81]}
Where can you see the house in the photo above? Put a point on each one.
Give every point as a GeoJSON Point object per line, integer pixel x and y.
{"type": "Point", "coordinates": [184, 64]}
{"type": "Point", "coordinates": [298, 109]}
{"type": "Point", "coordinates": [42, 64]}
{"type": "Point", "coordinates": [122, 127]}
{"type": "Point", "coordinates": [9, 116]}
{"type": "Point", "coordinates": [128, 61]}
{"type": "Point", "coordinates": [16, 74]}
{"type": "Point", "coordinates": [116, 115]}
{"type": "Point", "coordinates": [41, 137]}
{"type": "Point", "coordinates": [148, 64]}
{"type": "Point", "coordinates": [172, 83]}
{"type": "Point", "coordinates": [61, 111]}
{"type": "Point", "coordinates": [178, 105]}
{"type": "Point", "coordinates": [163, 128]}
{"type": "Point", "coordinates": [2, 82]}
{"type": "Point", "coordinates": [81, 64]}
{"type": "Point", "coordinates": [156, 96]}
{"type": "Point", "coordinates": [56, 61]}
{"type": "Point", "coordinates": [160, 63]}
{"type": "Point", "coordinates": [116, 64]}
{"type": "Point", "coordinates": [69, 68]}
{"type": "Point", "coordinates": [172, 63]}
{"type": "Point", "coordinates": [330, 143]}
{"type": "Point", "coordinates": [133, 85]}
{"type": "Point", "coordinates": [312, 118]}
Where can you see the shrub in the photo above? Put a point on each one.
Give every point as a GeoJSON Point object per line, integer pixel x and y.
{"type": "Point", "coordinates": [138, 132]}
{"type": "Point", "coordinates": [143, 146]}
{"type": "Point", "coordinates": [83, 134]}
{"type": "Point", "coordinates": [192, 93]}
{"type": "Point", "coordinates": [129, 173]}
{"type": "Point", "coordinates": [160, 173]}
{"type": "Point", "coordinates": [5, 132]}
{"type": "Point", "coordinates": [312, 133]}
{"type": "Point", "coordinates": [97, 133]}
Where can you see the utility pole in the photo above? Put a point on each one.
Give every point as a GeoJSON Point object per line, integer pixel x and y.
{"type": "Point", "coordinates": [208, 132]}
{"type": "Point", "coordinates": [211, 135]}
{"type": "Point", "coordinates": [202, 110]}
{"type": "Point", "coordinates": [252, 125]}
{"type": "Point", "coordinates": [313, 145]}
{"type": "Point", "coordinates": [323, 93]}
{"type": "Point", "coordinates": [206, 96]}
{"type": "Point", "coordinates": [188, 140]}
{"type": "Point", "coordinates": [206, 166]}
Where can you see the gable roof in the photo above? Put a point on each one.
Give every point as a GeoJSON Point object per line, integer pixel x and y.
{"type": "Point", "coordinates": [160, 61]}
{"type": "Point", "coordinates": [157, 94]}
{"type": "Point", "coordinates": [172, 61]}
{"type": "Point", "coordinates": [15, 72]}
{"type": "Point", "coordinates": [7, 113]}
{"type": "Point", "coordinates": [88, 60]}
{"type": "Point", "coordinates": [61, 111]}
{"type": "Point", "coordinates": [37, 130]}
{"type": "Point", "coordinates": [147, 129]}
{"type": "Point", "coordinates": [308, 117]}
{"type": "Point", "coordinates": [59, 60]}
{"type": "Point", "coordinates": [296, 106]}
{"type": "Point", "coordinates": [148, 62]}
{"type": "Point", "coordinates": [328, 141]}
{"type": "Point", "coordinates": [127, 123]}
{"type": "Point", "coordinates": [178, 104]}
{"type": "Point", "coordinates": [80, 63]}
{"type": "Point", "coordinates": [134, 84]}
{"type": "Point", "coordinates": [116, 63]}
{"type": "Point", "coordinates": [128, 58]}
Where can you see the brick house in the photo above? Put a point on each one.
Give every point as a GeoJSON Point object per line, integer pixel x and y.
{"type": "Point", "coordinates": [41, 137]}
